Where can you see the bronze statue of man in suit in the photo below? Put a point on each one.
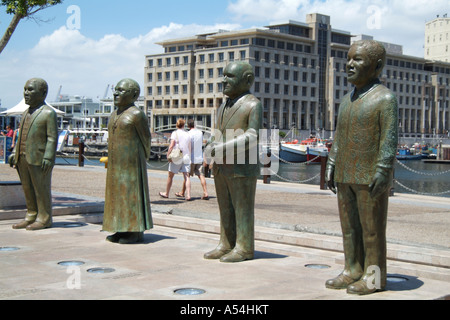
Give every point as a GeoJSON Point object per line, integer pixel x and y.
{"type": "Point", "coordinates": [127, 201]}
{"type": "Point", "coordinates": [34, 156]}
{"type": "Point", "coordinates": [360, 165]}
{"type": "Point", "coordinates": [236, 169]}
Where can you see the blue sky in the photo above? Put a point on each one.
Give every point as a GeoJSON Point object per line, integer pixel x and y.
{"type": "Point", "coordinates": [114, 36]}
{"type": "Point", "coordinates": [129, 18]}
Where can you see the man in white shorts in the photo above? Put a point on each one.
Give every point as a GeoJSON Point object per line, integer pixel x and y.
{"type": "Point", "coordinates": [197, 160]}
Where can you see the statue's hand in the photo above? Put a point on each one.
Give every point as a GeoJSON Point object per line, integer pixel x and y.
{"type": "Point", "coordinates": [329, 179]}
{"type": "Point", "coordinates": [379, 184]}
{"type": "Point", "coordinates": [47, 165]}
{"type": "Point", "coordinates": [210, 151]}
{"type": "Point", "coordinates": [11, 160]}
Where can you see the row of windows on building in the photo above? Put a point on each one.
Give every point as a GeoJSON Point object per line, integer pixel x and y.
{"type": "Point", "coordinates": [402, 90]}
{"type": "Point", "coordinates": [258, 41]}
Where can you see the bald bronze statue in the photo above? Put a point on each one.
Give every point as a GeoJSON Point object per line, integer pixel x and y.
{"type": "Point", "coordinates": [360, 167]}
{"type": "Point", "coordinates": [34, 155]}
{"type": "Point", "coordinates": [235, 167]}
{"type": "Point", "coordinates": [127, 201]}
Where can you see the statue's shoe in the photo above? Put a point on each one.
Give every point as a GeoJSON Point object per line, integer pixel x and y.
{"type": "Point", "coordinates": [22, 225]}
{"type": "Point", "coordinates": [342, 281]}
{"type": "Point", "coordinates": [216, 254]}
{"type": "Point", "coordinates": [361, 288]}
{"type": "Point", "coordinates": [237, 256]}
{"type": "Point", "coordinates": [131, 237]}
{"type": "Point", "coordinates": [37, 226]}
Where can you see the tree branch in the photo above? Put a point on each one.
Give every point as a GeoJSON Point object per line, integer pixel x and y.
{"type": "Point", "coordinates": [10, 30]}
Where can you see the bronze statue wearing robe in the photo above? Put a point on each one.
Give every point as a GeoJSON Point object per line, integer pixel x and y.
{"type": "Point", "coordinates": [127, 201]}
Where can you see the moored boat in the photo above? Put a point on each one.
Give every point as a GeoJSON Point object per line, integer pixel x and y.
{"type": "Point", "coordinates": [308, 150]}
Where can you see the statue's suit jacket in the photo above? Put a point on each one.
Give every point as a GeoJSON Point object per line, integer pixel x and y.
{"type": "Point", "coordinates": [366, 137]}
{"type": "Point", "coordinates": [245, 119]}
{"type": "Point", "coordinates": [42, 137]}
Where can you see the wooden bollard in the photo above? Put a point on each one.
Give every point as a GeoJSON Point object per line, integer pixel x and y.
{"type": "Point", "coordinates": [266, 178]}
{"type": "Point", "coordinates": [81, 154]}
{"type": "Point", "coordinates": [323, 167]}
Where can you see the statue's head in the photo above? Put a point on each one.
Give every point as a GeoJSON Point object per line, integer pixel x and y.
{"type": "Point", "coordinates": [35, 92]}
{"type": "Point", "coordinates": [238, 79]}
{"type": "Point", "coordinates": [127, 91]}
{"type": "Point", "coordinates": [366, 60]}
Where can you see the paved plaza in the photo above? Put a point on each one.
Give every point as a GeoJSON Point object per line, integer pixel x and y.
{"type": "Point", "coordinates": [298, 245]}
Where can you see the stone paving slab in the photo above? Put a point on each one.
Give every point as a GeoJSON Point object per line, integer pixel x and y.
{"type": "Point", "coordinates": [172, 258]}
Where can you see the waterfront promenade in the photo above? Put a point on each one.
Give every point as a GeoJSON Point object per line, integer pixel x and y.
{"type": "Point", "coordinates": [296, 225]}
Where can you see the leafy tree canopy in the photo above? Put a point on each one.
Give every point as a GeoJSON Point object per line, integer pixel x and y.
{"type": "Point", "coordinates": [26, 8]}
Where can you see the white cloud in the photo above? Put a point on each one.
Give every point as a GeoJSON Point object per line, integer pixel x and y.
{"type": "Point", "coordinates": [400, 22]}
{"type": "Point", "coordinates": [85, 66]}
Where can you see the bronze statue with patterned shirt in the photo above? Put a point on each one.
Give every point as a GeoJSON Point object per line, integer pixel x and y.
{"type": "Point", "coordinates": [360, 167]}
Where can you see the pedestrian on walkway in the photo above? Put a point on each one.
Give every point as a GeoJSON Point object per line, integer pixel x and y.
{"type": "Point", "coordinates": [9, 132]}
{"type": "Point", "coordinates": [179, 140]}
{"type": "Point", "coordinates": [198, 164]}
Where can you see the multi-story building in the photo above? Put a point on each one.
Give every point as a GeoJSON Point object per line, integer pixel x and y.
{"type": "Point", "coordinates": [81, 113]}
{"type": "Point", "coordinates": [300, 78]}
{"type": "Point", "coordinates": [437, 39]}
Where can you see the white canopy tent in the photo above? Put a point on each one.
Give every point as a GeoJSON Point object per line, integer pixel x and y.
{"type": "Point", "coordinates": [22, 106]}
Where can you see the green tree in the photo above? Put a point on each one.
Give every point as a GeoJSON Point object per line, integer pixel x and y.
{"type": "Point", "coordinates": [21, 9]}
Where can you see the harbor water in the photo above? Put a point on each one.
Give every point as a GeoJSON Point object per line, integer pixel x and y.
{"type": "Point", "coordinates": [412, 176]}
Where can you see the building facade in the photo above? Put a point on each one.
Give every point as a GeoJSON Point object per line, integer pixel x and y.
{"type": "Point", "coordinates": [300, 78]}
{"type": "Point", "coordinates": [437, 39]}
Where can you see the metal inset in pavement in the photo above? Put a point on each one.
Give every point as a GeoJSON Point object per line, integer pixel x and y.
{"type": "Point", "coordinates": [70, 263]}
{"type": "Point", "coordinates": [396, 279]}
{"type": "Point", "coordinates": [101, 270]}
{"type": "Point", "coordinates": [317, 266]}
{"type": "Point", "coordinates": [74, 225]}
{"type": "Point", "coordinates": [190, 292]}
{"type": "Point", "coordinates": [8, 249]}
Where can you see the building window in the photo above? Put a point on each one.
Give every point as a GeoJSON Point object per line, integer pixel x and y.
{"type": "Point", "coordinates": [257, 56]}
